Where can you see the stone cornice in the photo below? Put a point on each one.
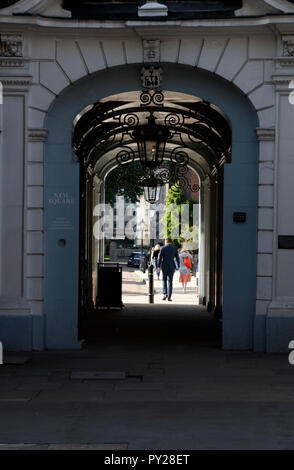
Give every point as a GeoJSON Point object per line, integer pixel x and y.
{"type": "Point", "coordinates": [285, 61]}
{"type": "Point", "coordinates": [17, 83]}
{"type": "Point", "coordinates": [237, 25]}
{"type": "Point", "coordinates": [282, 82]}
{"type": "Point", "coordinates": [12, 62]}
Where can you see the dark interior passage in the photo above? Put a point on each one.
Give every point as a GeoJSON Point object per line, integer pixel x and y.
{"type": "Point", "coordinates": [142, 324]}
{"type": "Point", "coordinates": [154, 325]}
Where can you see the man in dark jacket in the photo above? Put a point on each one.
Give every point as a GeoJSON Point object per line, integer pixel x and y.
{"type": "Point", "coordinates": [167, 257]}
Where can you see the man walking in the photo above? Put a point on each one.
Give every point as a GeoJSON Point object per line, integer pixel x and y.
{"type": "Point", "coordinates": [166, 262]}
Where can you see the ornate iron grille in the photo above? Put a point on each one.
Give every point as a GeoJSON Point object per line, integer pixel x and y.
{"type": "Point", "coordinates": [108, 126]}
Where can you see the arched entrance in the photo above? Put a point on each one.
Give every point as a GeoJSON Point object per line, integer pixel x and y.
{"type": "Point", "coordinates": [62, 201]}
{"type": "Point", "coordinates": [199, 135]}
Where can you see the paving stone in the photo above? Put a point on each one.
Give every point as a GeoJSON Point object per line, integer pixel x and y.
{"type": "Point", "coordinates": [70, 396]}
{"type": "Point", "coordinates": [154, 375]}
{"type": "Point", "coordinates": [29, 371]}
{"type": "Point", "coordinates": [133, 379]}
{"type": "Point", "coordinates": [88, 386]}
{"type": "Point", "coordinates": [23, 447]}
{"type": "Point", "coordinates": [34, 379]}
{"type": "Point", "coordinates": [106, 446]}
{"type": "Point", "coordinates": [9, 383]}
{"type": "Point", "coordinates": [5, 371]}
{"type": "Point", "coordinates": [136, 372]}
{"type": "Point", "coordinates": [15, 395]}
{"type": "Point", "coordinates": [98, 446]}
{"type": "Point", "coordinates": [94, 375]}
{"type": "Point", "coordinates": [143, 396]}
{"type": "Point", "coordinates": [139, 386]}
{"type": "Point", "coordinates": [15, 359]}
{"type": "Point", "coordinates": [39, 386]}
{"type": "Point", "coordinates": [155, 365]}
{"type": "Point", "coordinates": [59, 377]}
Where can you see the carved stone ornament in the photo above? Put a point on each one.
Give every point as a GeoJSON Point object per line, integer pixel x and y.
{"type": "Point", "coordinates": [151, 51]}
{"type": "Point", "coordinates": [288, 48]}
{"type": "Point", "coordinates": [37, 135]}
{"type": "Point", "coordinates": [151, 77]}
{"type": "Point", "coordinates": [11, 45]}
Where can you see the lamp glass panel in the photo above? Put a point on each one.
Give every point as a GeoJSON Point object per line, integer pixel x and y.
{"type": "Point", "coordinates": [151, 150]}
{"type": "Point", "coordinates": [151, 193]}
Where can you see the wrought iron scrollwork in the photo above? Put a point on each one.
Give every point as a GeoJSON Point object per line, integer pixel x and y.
{"type": "Point", "coordinates": [126, 155]}
{"type": "Point", "coordinates": [130, 119]}
{"type": "Point", "coordinates": [179, 157]}
{"type": "Point", "coordinates": [171, 173]}
{"type": "Point", "coordinates": [174, 120]}
{"type": "Point", "coordinates": [195, 126]}
{"type": "Point", "coordinates": [147, 98]}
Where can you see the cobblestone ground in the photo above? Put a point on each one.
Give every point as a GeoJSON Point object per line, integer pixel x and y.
{"type": "Point", "coordinates": [148, 377]}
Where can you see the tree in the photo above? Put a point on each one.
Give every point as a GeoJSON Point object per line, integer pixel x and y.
{"type": "Point", "coordinates": [175, 220]}
{"type": "Point", "coordinates": [124, 180]}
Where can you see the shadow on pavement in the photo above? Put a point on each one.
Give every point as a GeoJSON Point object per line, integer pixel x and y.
{"type": "Point", "coordinates": [150, 324]}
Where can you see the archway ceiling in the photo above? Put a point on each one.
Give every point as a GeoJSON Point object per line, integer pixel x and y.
{"type": "Point", "coordinates": [195, 126]}
{"type": "Point", "coordinates": [108, 162]}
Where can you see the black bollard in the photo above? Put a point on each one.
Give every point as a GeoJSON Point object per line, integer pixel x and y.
{"type": "Point", "coordinates": [151, 284]}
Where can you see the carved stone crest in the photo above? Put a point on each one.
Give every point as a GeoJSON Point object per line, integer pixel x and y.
{"type": "Point", "coordinates": [151, 77]}
{"type": "Point", "coordinates": [151, 72]}
{"type": "Point", "coordinates": [288, 48]}
{"type": "Point", "coordinates": [11, 45]}
{"type": "Point", "coordinates": [151, 51]}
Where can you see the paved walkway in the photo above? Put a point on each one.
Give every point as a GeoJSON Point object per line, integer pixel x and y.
{"type": "Point", "coordinates": [148, 377]}
{"type": "Point", "coordinates": [136, 293]}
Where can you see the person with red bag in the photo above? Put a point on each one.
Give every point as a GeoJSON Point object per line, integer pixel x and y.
{"type": "Point", "coordinates": [185, 268]}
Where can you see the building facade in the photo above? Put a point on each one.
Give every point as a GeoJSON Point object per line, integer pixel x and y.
{"type": "Point", "coordinates": [56, 60]}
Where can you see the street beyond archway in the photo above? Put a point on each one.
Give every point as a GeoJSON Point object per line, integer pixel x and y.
{"type": "Point", "coordinates": [135, 289]}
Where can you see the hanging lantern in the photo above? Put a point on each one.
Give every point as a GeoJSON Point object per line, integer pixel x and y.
{"type": "Point", "coordinates": [151, 141]}
{"type": "Point", "coordinates": [151, 188]}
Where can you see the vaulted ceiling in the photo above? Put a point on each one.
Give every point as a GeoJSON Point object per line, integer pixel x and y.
{"type": "Point", "coordinates": [195, 126]}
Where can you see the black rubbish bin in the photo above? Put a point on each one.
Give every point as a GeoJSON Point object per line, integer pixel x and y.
{"type": "Point", "coordinates": [109, 286]}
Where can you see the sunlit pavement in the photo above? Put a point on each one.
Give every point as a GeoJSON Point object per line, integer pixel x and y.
{"type": "Point", "coordinates": [133, 292]}
{"type": "Point", "coordinates": [148, 377]}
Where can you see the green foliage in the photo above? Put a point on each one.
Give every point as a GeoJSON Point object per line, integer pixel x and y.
{"type": "Point", "coordinates": [175, 195]}
{"type": "Point", "coordinates": [123, 180]}
{"type": "Point", "coordinates": [172, 220]}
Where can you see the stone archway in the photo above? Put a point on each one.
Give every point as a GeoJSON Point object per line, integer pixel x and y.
{"type": "Point", "coordinates": [199, 137]}
{"type": "Point", "coordinates": [62, 191]}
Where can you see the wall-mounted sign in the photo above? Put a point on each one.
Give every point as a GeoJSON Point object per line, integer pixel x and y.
{"type": "Point", "coordinates": [286, 242]}
{"type": "Point", "coordinates": [61, 199]}
{"type": "Point", "coordinates": [61, 223]}
{"type": "Point", "coordinates": [239, 217]}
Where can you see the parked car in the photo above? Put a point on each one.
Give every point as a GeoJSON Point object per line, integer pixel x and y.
{"type": "Point", "coordinates": [134, 259]}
